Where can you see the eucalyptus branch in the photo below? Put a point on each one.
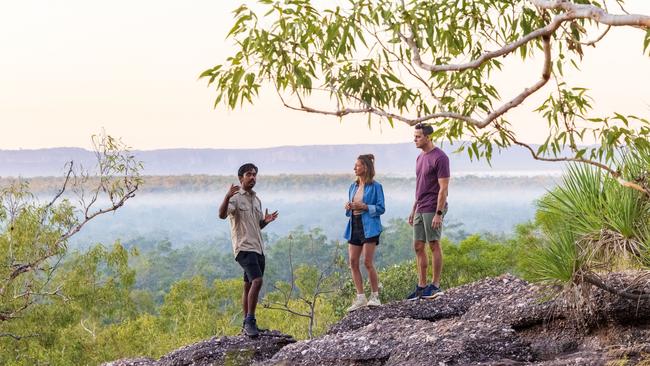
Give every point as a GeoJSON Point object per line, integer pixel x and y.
{"type": "Point", "coordinates": [517, 100]}
{"type": "Point", "coordinates": [614, 173]}
{"type": "Point", "coordinates": [583, 11]}
{"type": "Point", "coordinates": [63, 186]}
{"type": "Point", "coordinates": [115, 206]}
{"type": "Point", "coordinates": [572, 11]}
{"type": "Point", "coordinates": [511, 47]}
{"type": "Point", "coordinates": [411, 70]}
{"type": "Point", "coordinates": [28, 294]}
{"type": "Point", "coordinates": [24, 268]}
{"type": "Point", "coordinates": [6, 315]}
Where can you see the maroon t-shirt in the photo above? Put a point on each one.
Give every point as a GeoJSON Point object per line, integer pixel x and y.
{"type": "Point", "coordinates": [428, 168]}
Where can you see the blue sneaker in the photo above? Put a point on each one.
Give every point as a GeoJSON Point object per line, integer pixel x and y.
{"type": "Point", "coordinates": [431, 291]}
{"type": "Point", "coordinates": [417, 293]}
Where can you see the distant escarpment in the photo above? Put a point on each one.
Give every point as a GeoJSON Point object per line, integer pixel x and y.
{"type": "Point", "coordinates": [496, 321]}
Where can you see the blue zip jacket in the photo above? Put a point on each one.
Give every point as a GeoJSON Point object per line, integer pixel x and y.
{"type": "Point", "coordinates": [373, 196]}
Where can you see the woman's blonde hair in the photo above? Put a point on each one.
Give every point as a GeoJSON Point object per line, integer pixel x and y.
{"type": "Point", "coordinates": [368, 160]}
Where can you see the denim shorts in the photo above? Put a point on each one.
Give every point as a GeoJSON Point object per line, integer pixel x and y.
{"type": "Point", "coordinates": [357, 237]}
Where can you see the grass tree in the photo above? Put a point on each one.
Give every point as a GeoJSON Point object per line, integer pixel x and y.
{"type": "Point", "coordinates": [593, 225]}
{"type": "Point", "coordinates": [434, 61]}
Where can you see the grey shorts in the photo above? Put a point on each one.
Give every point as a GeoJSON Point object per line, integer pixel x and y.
{"type": "Point", "coordinates": [422, 230]}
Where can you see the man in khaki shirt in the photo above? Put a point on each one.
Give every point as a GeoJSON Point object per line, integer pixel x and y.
{"type": "Point", "coordinates": [244, 209]}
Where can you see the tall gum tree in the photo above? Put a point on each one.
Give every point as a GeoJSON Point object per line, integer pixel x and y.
{"type": "Point", "coordinates": [435, 62]}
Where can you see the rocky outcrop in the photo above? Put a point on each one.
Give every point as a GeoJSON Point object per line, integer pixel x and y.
{"type": "Point", "coordinates": [497, 321]}
{"type": "Point", "coordinates": [236, 350]}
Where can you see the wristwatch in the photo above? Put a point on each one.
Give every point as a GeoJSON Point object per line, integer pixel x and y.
{"type": "Point", "coordinates": [439, 212]}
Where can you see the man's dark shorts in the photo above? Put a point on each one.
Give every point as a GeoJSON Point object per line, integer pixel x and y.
{"type": "Point", "coordinates": [357, 237]}
{"type": "Point", "coordinates": [252, 263]}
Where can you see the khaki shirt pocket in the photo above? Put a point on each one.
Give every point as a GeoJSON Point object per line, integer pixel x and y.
{"type": "Point", "coordinates": [243, 207]}
{"type": "Point", "coordinates": [258, 213]}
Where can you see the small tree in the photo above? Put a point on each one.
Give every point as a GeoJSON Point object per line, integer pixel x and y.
{"type": "Point", "coordinates": [34, 236]}
{"type": "Point", "coordinates": [432, 61]}
{"type": "Point", "coordinates": [308, 286]}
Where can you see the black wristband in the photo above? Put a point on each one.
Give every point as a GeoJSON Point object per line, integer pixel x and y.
{"type": "Point", "coordinates": [439, 212]}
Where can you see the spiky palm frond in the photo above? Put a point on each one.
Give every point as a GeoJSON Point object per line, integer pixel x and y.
{"type": "Point", "coordinates": [577, 204]}
{"type": "Point", "coordinates": [558, 261]}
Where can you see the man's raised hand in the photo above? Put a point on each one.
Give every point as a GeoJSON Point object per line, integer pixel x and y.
{"type": "Point", "coordinates": [270, 217]}
{"type": "Point", "coordinates": [232, 190]}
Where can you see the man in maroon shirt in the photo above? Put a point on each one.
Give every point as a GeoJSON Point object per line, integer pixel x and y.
{"type": "Point", "coordinates": [429, 209]}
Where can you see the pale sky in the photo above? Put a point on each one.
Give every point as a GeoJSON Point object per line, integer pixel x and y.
{"type": "Point", "coordinates": [69, 68]}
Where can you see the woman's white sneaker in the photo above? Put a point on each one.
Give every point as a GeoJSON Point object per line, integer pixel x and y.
{"type": "Point", "coordinates": [374, 300]}
{"type": "Point", "coordinates": [359, 302]}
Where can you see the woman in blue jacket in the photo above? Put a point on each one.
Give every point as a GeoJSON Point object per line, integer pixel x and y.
{"type": "Point", "coordinates": [364, 206]}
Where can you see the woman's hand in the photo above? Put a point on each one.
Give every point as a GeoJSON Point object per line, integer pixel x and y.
{"type": "Point", "coordinates": [358, 206]}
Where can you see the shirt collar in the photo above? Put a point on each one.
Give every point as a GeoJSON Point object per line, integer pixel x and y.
{"type": "Point", "coordinates": [244, 192]}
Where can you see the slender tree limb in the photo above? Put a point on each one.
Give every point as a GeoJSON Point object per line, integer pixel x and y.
{"type": "Point", "coordinates": [28, 294]}
{"type": "Point", "coordinates": [620, 5]}
{"type": "Point", "coordinates": [18, 337]}
{"type": "Point", "coordinates": [63, 187]}
{"type": "Point", "coordinates": [615, 174]}
{"type": "Point", "coordinates": [596, 40]}
{"type": "Point", "coordinates": [287, 309]}
{"type": "Point", "coordinates": [115, 206]}
{"type": "Point", "coordinates": [11, 315]}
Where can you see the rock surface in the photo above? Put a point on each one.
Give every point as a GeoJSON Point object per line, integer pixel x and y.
{"type": "Point", "coordinates": [496, 321]}
{"type": "Point", "coordinates": [236, 350]}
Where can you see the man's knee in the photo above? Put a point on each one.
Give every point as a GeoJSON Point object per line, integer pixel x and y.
{"type": "Point", "coordinates": [418, 246]}
{"type": "Point", "coordinates": [435, 245]}
{"type": "Point", "coordinates": [257, 282]}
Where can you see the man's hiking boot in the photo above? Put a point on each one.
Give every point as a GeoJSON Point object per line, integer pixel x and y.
{"type": "Point", "coordinates": [250, 328]}
{"type": "Point", "coordinates": [416, 294]}
{"type": "Point", "coordinates": [261, 330]}
{"type": "Point", "coordinates": [359, 302]}
{"type": "Point", "coordinates": [431, 291]}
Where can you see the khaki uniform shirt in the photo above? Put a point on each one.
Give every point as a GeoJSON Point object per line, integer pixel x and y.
{"type": "Point", "coordinates": [245, 214]}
